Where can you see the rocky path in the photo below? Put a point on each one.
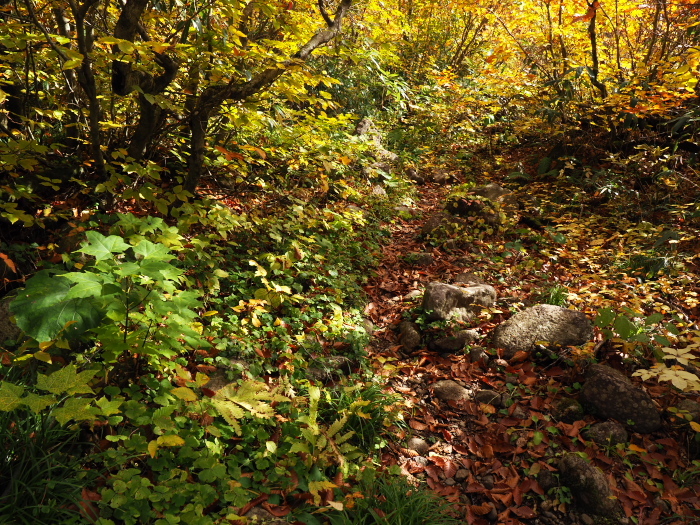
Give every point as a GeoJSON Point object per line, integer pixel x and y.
{"type": "Point", "coordinates": [495, 419]}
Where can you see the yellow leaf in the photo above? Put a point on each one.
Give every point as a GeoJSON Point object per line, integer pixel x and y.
{"type": "Point", "coordinates": [184, 393]}
{"type": "Point", "coordinates": [152, 448]}
{"type": "Point", "coordinates": [201, 379]}
{"type": "Point", "coordinates": [43, 356]}
{"type": "Point", "coordinates": [695, 426]}
{"type": "Point", "coordinates": [337, 505]}
{"type": "Point", "coordinates": [210, 312]}
{"type": "Point", "coordinates": [171, 440]}
{"type": "Point", "coordinates": [316, 486]}
{"type": "Point", "coordinates": [635, 448]}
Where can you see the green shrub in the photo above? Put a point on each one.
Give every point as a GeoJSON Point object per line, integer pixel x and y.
{"type": "Point", "coordinates": [392, 500]}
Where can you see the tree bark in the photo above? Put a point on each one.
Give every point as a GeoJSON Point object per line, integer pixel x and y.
{"type": "Point", "coordinates": [214, 96]}
{"type": "Point", "coordinates": [125, 79]}
{"type": "Point", "coordinates": [595, 66]}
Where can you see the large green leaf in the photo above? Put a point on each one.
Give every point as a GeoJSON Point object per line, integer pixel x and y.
{"type": "Point", "coordinates": [155, 252]}
{"type": "Point", "coordinates": [42, 309]}
{"type": "Point", "coordinates": [75, 408]}
{"type": "Point", "coordinates": [66, 380]}
{"type": "Point", "coordinates": [102, 247]}
{"type": "Point", "coordinates": [86, 285]}
{"type": "Point", "coordinates": [10, 396]}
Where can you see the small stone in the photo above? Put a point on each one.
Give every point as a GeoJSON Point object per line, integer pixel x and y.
{"type": "Point", "coordinates": [420, 461]}
{"type": "Point", "coordinates": [420, 259]}
{"type": "Point", "coordinates": [691, 408]}
{"type": "Point", "coordinates": [454, 344]}
{"type": "Point", "coordinates": [608, 433]}
{"type": "Point", "coordinates": [461, 474]}
{"type": "Point", "coordinates": [568, 410]}
{"type": "Point", "coordinates": [450, 482]}
{"type": "Point", "coordinates": [493, 515]}
{"type": "Point", "coordinates": [432, 224]}
{"type": "Point", "coordinates": [520, 413]}
{"type": "Point", "coordinates": [488, 397]}
{"type": "Point", "coordinates": [450, 245]}
{"type": "Point", "coordinates": [413, 294]}
{"type": "Point", "coordinates": [487, 481]}
{"type": "Point", "coordinates": [589, 486]}
{"type": "Point", "coordinates": [448, 390]}
{"type": "Point", "coordinates": [587, 520]}
{"type": "Point", "coordinates": [420, 445]}
{"type": "Point", "coordinates": [378, 191]}
{"type": "Point", "coordinates": [478, 354]}
{"type": "Point", "coordinates": [409, 336]}
{"type": "Point", "coordinates": [547, 480]}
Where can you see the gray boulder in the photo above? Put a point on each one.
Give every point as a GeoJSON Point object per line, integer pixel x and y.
{"type": "Point", "coordinates": [588, 485]}
{"type": "Point", "coordinates": [455, 343]}
{"type": "Point", "coordinates": [409, 336]}
{"type": "Point", "coordinates": [445, 302]}
{"type": "Point", "coordinates": [449, 390]}
{"type": "Point", "coordinates": [608, 433]}
{"type": "Point", "coordinates": [490, 191]}
{"type": "Point", "coordinates": [608, 394]}
{"type": "Point", "coordinates": [543, 322]}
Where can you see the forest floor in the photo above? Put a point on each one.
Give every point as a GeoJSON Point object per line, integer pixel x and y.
{"type": "Point", "coordinates": [575, 243]}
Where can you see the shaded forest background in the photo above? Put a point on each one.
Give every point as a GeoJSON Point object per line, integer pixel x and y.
{"type": "Point", "coordinates": [191, 222]}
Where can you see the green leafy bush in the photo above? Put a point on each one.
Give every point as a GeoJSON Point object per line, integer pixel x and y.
{"type": "Point", "coordinates": [126, 295]}
{"type": "Point", "coordinates": [392, 500]}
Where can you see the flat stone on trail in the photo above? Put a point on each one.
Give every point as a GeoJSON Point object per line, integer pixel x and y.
{"type": "Point", "coordinates": [420, 445]}
{"type": "Point", "coordinates": [409, 336]}
{"type": "Point", "coordinates": [449, 390]}
{"type": "Point", "coordinates": [455, 343]}
{"type": "Point", "coordinates": [608, 433]}
{"type": "Point", "coordinates": [490, 191]}
{"type": "Point", "coordinates": [445, 302]}
{"type": "Point", "coordinates": [607, 393]}
{"type": "Point", "coordinates": [542, 322]}
{"type": "Point", "coordinates": [588, 485]}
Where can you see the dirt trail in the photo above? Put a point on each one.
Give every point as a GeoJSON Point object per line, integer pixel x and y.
{"type": "Point", "coordinates": [492, 459]}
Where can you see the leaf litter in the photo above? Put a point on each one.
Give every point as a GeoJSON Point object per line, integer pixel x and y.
{"type": "Point", "coordinates": [491, 460]}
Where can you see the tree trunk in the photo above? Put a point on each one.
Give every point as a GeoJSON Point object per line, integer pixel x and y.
{"type": "Point", "coordinates": [214, 96]}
